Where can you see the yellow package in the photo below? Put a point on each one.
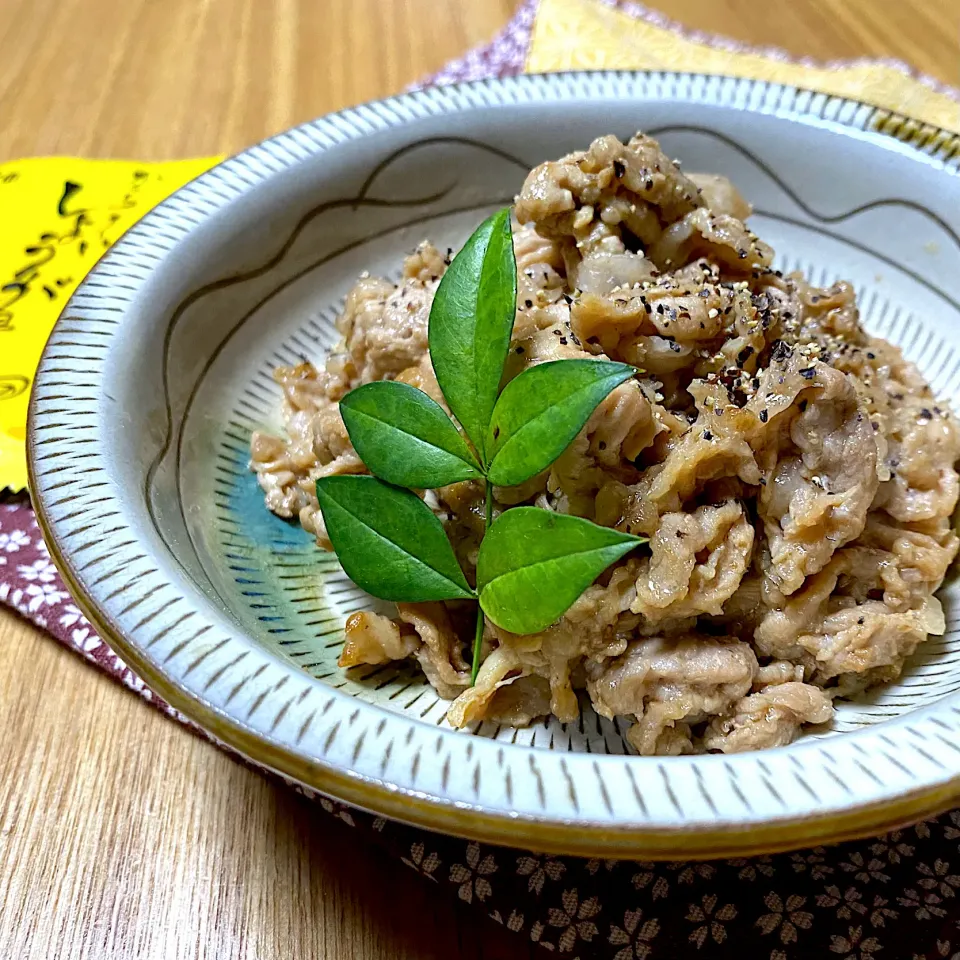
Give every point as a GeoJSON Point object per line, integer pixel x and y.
{"type": "Point", "coordinates": [57, 217]}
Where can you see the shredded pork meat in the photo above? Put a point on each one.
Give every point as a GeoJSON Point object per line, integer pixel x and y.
{"type": "Point", "coordinates": [794, 475]}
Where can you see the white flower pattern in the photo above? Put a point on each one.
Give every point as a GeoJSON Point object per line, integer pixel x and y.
{"type": "Point", "coordinates": [634, 936]}
{"type": "Point", "coordinates": [472, 877]}
{"type": "Point", "coordinates": [575, 918]}
{"type": "Point", "coordinates": [421, 861]}
{"type": "Point", "coordinates": [42, 571]}
{"type": "Point", "coordinates": [538, 870]}
{"type": "Point", "coordinates": [847, 904]}
{"type": "Point", "coordinates": [854, 945]}
{"type": "Point", "coordinates": [711, 920]}
{"type": "Point", "coordinates": [43, 594]}
{"type": "Point", "coordinates": [649, 877]}
{"type": "Point", "coordinates": [13, 541]}
{"type": "Point", "coordinates": [785, 917]}
{"type": "Point", "coordinates": [937, 877]}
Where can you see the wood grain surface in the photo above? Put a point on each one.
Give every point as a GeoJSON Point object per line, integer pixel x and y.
{"type": "Point", "coordinates": [121, 834]}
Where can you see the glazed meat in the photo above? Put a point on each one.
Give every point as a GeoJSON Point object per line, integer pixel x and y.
{"type": "Point", "coordinates": [795, 476]}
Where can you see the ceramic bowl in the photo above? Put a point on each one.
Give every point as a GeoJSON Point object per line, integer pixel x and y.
{"type": "Point", "coordinates": [160, 368]}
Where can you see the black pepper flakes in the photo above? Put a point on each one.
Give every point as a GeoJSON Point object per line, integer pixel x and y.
{"type": "Point", "coordinates": [780, 351]}
{"type": "Point", "coordinates": [808, 373]}
{"type": "Point", "coordinates": [707, 435]}
{"type": "Point", "coordinates": [528, 303]}
{"type": "Point", "coordinates": [764, 416]}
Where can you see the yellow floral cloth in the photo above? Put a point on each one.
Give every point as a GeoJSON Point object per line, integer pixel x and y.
{"type": "Point", "coordinates": [58, 215]}
{"type": "Point", "coordinates": [593, 35]}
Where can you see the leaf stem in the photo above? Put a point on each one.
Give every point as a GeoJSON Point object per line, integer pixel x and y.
{"type": "Point", "coordinates": [478, 636]}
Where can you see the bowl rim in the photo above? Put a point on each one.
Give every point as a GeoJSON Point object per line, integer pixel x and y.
{"type": "Point", "coordinates": [650, 836]}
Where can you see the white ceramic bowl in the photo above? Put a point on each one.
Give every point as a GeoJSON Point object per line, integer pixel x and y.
{"type": "Point", "coordinates": [160, 367]}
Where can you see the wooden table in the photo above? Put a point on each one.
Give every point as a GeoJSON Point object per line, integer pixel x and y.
{"type": "Point", "coordinates": [122, 835]}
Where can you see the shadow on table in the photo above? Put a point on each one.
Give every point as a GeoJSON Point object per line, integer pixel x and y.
{"type": "Point", "coordinates": [400, 913]}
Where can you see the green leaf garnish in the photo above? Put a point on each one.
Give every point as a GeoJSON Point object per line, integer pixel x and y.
{"type": "Point", "coordinates": [534, 564]}
{"type": "Point", "coordinates": [389, 542]}
{"type": "Point", "coordinates": [470, 325]}
{"type": "Point", "coordinates": [405, 438]}
{"type": "Point", "coordinates": [541, 411]}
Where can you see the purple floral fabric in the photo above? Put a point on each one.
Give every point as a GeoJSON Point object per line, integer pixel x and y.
{"type": "Point", "coordinates": [891, 897]}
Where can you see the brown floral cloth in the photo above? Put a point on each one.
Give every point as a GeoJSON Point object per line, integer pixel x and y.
{"type": "Point", "coordinates": [892, 897]}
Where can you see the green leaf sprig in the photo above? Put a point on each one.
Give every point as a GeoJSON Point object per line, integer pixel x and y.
{"type": "Point", "coordinates": [533, 563]}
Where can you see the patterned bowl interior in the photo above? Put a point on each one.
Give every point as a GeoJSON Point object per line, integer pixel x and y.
{"type": "Point", "coordinates": [267, 571]}
{"type": "Point", "coordinates": [248, 267]}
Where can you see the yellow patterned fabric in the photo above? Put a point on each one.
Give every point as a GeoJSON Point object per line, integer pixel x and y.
{"type": "Point", "coordinates": [58, 215]}
{"type": "Point", "coordinates": [591, 35]}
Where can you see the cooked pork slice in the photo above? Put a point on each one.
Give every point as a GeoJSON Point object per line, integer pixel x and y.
{"type": "Point", "coordinates": [373, 638]}
{"type": "Point", "coordinates": [593, 629]}
{"type": "Point", "coordinates": [384, 330]}
{"type": "Point", "coordinates": [770, 718]}
{"type": "Point", "coordinates": [441, 653]}
{"type": "Point", "coordinates": [609, 273]}
{"type": "Point", "coordinates": [923, 447]}
{"type": "Point", "coordinates": [910, 560]}
{"type": "Point", "coordinates": [555, 193]}
{"type": "Point", "coordinates": [421, 630]}
{"type": "Point", "coordinates": [500, 668]}
{"type": "Point", "coordinates": [834, 634]}
{"type": "Point", "coordinates": [519, 703]}
{"type": "Point", "coordinates": [698, 560]}
{"type": "Point", "coordinates": [623, 425]}
{"type": "Point", "coordinates": [819, 458]}
{"type": "Point", "coordinates": [664, 681]}
{"type": "Point", "coordinates": [855, 640]}
{"type": "Point", "coordinates": [720, 195]}
{"type": "Point", "coordinates": [722, 238]}
{"type": "Point", "coordinates": [385, 334]}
